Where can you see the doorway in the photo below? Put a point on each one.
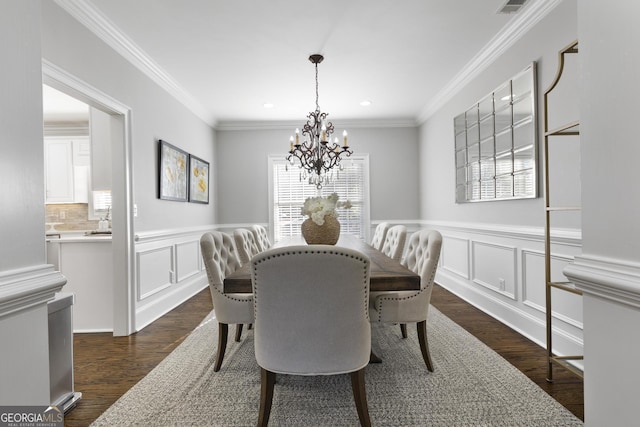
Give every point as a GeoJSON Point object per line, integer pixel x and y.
{"type": "Point", "coordinates": [121, 191]}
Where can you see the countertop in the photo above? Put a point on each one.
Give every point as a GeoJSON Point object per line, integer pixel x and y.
{"type": "Point", "coordinates": [78, 237]}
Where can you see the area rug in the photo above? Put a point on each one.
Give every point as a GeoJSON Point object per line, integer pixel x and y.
{"type": "Point", "coordinates": [471, 386]}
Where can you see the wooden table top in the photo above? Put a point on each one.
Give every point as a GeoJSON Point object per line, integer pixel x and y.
{"type": "Point", "coordinates": [385, 274]}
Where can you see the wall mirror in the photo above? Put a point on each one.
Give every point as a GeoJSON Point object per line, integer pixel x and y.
{"type": "Point", "coordinates": [495, 143]}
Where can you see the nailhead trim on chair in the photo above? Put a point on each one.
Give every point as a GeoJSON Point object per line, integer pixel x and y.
{"type": "Point", "coordinates": [308, 251]}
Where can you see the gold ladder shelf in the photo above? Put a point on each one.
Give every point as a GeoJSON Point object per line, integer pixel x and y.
{"type": "Point", "coordinates": [569, 129]}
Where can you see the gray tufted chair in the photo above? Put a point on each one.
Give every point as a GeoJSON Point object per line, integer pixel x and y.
{"type": "Point", "coordinates": [379, 235]}
{"type": "Point", "coordinates": [261, 237]}
{"type": "Point", "coordinates": [423, 252]}
{"type": "Point", "coordinates": [246, 244]}
{"type": "Point", "coordinates": [394, 242]}
{"type": "Point", "coordinates": [311, 317]}
{"type": "Point", "coordinates": [220, 259]}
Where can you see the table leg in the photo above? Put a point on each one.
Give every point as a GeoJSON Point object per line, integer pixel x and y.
{"type": "Point", "coordinates": [374, 358]}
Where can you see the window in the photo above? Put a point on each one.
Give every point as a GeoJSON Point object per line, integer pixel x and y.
{"type": "Point", "coordinates": [288, 193]}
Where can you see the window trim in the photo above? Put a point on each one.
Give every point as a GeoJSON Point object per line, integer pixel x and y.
{"type": "Point", "coordinates": [366, 207]}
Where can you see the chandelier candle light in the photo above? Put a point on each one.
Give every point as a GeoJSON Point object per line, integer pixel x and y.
{"type": "Point", "coordinates": [317, 156]}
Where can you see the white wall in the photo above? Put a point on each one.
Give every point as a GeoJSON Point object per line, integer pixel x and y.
{"type": "Point", "coordinates": [242, 195]}
{"type": "Point", "coordinates": [26, 283]}
{"type": "Point", "coordinates": [493, 251]}
{"type": "Point", "coordinates": [609, 270]}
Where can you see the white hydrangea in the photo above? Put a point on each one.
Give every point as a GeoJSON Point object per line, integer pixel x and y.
{"type": "Point", "coordinates": [319, 207]}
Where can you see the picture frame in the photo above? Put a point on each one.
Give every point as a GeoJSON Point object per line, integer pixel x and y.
{"type": "Point", "coordinates": [172, 172]}
{"type": "Point", "coordinates": [198, 180]}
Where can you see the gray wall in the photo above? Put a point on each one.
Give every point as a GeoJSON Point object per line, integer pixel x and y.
{"type": "Point", "coordinates": [393, 163]}
{"type": "Point", "coordinates": [437, 196]}
{"type": "Point", "coordinates": [155, 115]}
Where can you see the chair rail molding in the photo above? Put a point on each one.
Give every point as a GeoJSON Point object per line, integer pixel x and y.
{"type": "Point", "coordinates": [610, 279]}
{"type": "Point", "coordinates": [23, 288]}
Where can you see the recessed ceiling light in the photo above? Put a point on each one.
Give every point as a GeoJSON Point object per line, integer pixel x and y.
{"type": "Point", "coordinates": [268, 105]}
{"type": "Point", "coordinates": [365, 103]}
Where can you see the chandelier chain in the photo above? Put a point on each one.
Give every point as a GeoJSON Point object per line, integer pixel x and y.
{"type": "Point", "coordinates": [317, 92]}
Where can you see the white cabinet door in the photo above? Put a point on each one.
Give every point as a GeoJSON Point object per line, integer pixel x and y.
{"type": "Point", "coordinates": [58, 160]}
{"type": "Point", "coordinates": [67, 163]}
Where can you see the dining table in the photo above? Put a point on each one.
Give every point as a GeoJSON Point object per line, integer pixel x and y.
{"type": "Point", "coordinates": [385, 274]}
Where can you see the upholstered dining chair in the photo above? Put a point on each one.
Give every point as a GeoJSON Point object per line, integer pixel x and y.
{"type": "Point", "coordinates": [379, 235]}
{"type": "Point", "coordinates": [220, 259]}
{"type": "Point", "coordinates": [311, 317]}
{"type": "Point", "coordinates": [394, 242]}
{"type": "Point", "coordinates": [423, 252]}
{"type": "Point", "coordinates": [246, 244]}
{"type": "Point", "coordinates": [261, 237]}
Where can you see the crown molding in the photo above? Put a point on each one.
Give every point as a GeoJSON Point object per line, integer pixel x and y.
{"type": "Point", "coordinates": [89, 16]}
{"type": "Point", "coordinates": [528, 16]}
{"type": "Point", "coordinates": [292, 124]}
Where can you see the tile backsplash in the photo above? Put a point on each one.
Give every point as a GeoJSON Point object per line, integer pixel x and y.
{"type": "Point", "coordinates": [70, 217]}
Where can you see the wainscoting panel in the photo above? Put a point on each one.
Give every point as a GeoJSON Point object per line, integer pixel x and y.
{"type": "Point", "coordinates": [188, 260]}
{"type": "Point", "coordinates": [566, 307]}
{"type": "Point", "coordinates": [500, 270]}
{"type": "Point", "coordinates": [155, 271]}
{"type": "Point", "coordinates": [169, 271]}
{"type": "Point", "coordinates": [494, 267]}
{"type": "Point", "coordinates": [454, 256]}
{"type": "Point", "coordinates": [533, 291]}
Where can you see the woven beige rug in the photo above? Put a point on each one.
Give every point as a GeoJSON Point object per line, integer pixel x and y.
{"type": "Point", "coordinates": [471, 386]}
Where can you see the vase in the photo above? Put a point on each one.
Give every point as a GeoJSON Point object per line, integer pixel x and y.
{"type": "Point", "coordinates": [325, 234]}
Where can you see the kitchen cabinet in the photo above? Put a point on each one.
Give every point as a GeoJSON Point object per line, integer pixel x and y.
{"type": "Point", "coordinates": [87, 264]}
{"type": "Point", "coordinates": [67, 164]}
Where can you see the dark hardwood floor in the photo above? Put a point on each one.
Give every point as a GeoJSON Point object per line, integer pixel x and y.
{"type": "Point", "coordinates": [105, 367]}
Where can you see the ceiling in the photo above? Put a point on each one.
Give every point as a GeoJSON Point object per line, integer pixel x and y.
{"type": "Point", "coordinates": [225, 59]}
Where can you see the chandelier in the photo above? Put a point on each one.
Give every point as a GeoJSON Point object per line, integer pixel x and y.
{"type": "Point", "coordinates": [317, 155]}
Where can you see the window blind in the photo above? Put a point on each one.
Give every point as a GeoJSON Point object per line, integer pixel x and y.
{"type": "Point", "coordinates": [289, 194]}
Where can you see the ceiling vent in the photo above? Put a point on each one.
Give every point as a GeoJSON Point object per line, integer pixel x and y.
{"type": "Point", "coordinates": [512, 6]}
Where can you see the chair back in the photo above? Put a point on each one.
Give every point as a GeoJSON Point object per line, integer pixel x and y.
{"type": "Point", "coordinates": [379, 235]}
{"type": "Point", "coordinates": [311, 310]}
{"type": "Point", "coordinates": [394, 242]}
{"type": "Point", "coordinates": [423, 252]}
{"type": "Point", "coordinates": [261, 237]}
{"type": "Point", "coordinates": [245, 244]}
{"type": "Point", "coordinates": [220, 259]}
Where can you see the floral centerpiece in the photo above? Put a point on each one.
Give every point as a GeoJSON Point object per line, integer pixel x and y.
{"type": "Point", "coordinates": [322, 226]}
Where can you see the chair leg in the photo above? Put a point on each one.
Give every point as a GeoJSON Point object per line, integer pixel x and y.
{"type": "Point", "coordinates": [403, 329]}
{"type": "Point", "coordinates": [223, 330]}
{"type": "Point", "coordinates": [267, 382]}
{"type": "Point", "coordinates": [238, 332]}
{"type": "Point", "coordinates": [360, 396]}
{"type": "Point", "coordinates": [424, 344]}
